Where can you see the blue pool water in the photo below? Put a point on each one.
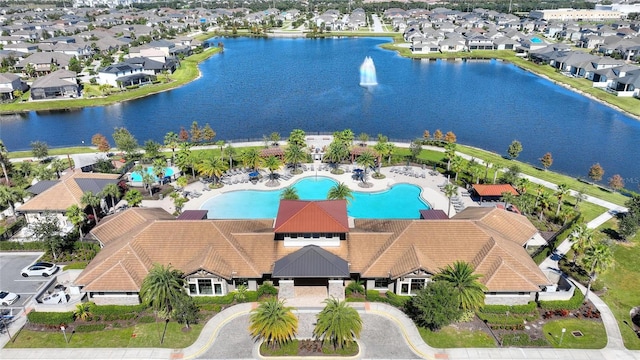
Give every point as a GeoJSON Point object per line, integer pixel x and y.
{"type": "Point", "coordinates": [536, 40]}
{"type": "Point", "coordinates": [402, 201]}
{"type": "Point", "coordinates": [136, 177]}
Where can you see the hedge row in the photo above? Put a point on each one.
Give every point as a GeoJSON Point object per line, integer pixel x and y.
{"type": "Point", "coordinates": [515, 309]}
{"type": "Point", "coordinates": [50, 318]}
{"type": "Point", "coordinates": [496, 319]}
{"type": "Point", "coordinates": [572, 304]}
{"type": "Point", "coordinates": [17, 245]}
{"type": "Point", "coordinates": [83, 328]}
{"type": "Point", "coordinates": [226, 299]}
{"type": "Point", "coordinates": [116, 310]}
{"type": "Point", "coordinates": [391, 298]}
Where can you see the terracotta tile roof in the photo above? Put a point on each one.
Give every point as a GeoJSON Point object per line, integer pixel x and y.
{"type": "Point", "coordinates": [495, 190]}
{"type": "Point", "coordinates": [374, 248]}
{"type": "Point", "coordinates": [128, 222]}
{"type": "Point", "coordinates": [59, 197]}
{"type": "Point", "coordinates": [297, 216]}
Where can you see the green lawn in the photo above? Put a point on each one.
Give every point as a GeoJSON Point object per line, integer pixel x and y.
{"type": "Point", "coordinates": [594, 335]}
{"type": "Point", "coordinates": [139, 336]}
{"type": "Point", "coordinates": [448, 337]}
{"type": "Point", "coordinates": [623, 292]}
{"type": "Point", "coordinates": [55, 151]}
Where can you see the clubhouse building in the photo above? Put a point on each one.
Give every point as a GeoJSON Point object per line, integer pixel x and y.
{"type": "Point", "coordinates": [311, 243]}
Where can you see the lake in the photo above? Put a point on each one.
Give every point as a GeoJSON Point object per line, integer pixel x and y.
{"type": "Point", "coordinates": [258, 86]}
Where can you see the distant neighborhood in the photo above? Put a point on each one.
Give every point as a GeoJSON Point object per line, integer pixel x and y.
{"type": "Point", "coordinates": [54, 53]}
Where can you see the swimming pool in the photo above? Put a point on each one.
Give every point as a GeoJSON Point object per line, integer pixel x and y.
{"type": "Point", "coordinates": [137, 177]}
{"type": "Point", "coordinates": [402, 201]}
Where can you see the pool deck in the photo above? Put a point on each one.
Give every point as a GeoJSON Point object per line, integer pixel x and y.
{"type": "Point", "coordinates": [429, 184]}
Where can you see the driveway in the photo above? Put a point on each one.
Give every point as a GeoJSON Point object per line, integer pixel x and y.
{"type": "Point", "coordinates": [380, 338]}
{"type": "Point", "coordinates": [11, 280]}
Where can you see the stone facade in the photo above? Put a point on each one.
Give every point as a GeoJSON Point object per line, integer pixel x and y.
{"type": "Point", "coordinates": [336, 289]}
{"type": "Point", "coordinates": [286, 289]}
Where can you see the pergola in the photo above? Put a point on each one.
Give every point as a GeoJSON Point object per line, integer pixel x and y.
{"type": "Point", "coordinates": [493, 191]}
{"type": "Point", "coordinates": [272, 151]}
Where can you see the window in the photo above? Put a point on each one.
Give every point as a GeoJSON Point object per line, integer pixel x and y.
{"type": "Point", "coordinates": [416, 284]}
{"type": "Point", "coordinates": [193, 289]}
{"type": "Point", "coordinates": [404, 289]}
{"type": "Point", "coordinates": [218, 288]}
{"type": "Point", "coordinates": [204, 287]}
{"type": "Point", "coordinates": [411, 286]}
{"type": "Point", "coordinates": [242, 281]}
{"type": "Point", "coordinates": [381, 283]}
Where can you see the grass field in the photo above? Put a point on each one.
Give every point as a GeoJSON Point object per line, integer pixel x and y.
{"type": "Point", "coordinates": [594, 335]}
{"type": "Point", "coordinates": [138, 336]}
{"type": "Point", "coordinates": [448, 337]}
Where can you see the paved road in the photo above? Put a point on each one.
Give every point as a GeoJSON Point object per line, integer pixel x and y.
{"type": "Point", "coordinates": [377, 24]}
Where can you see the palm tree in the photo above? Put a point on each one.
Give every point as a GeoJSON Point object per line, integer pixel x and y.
{"type": "Point", "coordinates": [77, 217]}
{"type": "Point", "coordinates": [112, 191]}
{"type": "Point", "coordinates": [220, 144]}
{"type": "Point", "coordinates": [522, 184]}
{"type": "Point", "coordinates": [133, 197]}
{"type": "Point", "coordinates": [251, 158]}
{"type": "Point", "coordinates": [3, 162]}
{"type": "Point", "coordinates": [289, 193]}
{"type": "Point", "coordinates": [476, 171]}
{"type": "Point", "coordinates": [159, 166]}
{"type": "Point", "coordinates": [545, 201]}
{"type": "Point", "coordinates": [58, 165]}
{"type": "Point", "coordinates": [457, 165]}
{"type": "Point", "coordinates": [147, 180]}
{"type": "Point", "coordinates": [487, 165]}
{"type": "Point", "coordinates": [93, 200]}
{"type": "Point", "coordinates": [229, 151]}
{"type": "Point", "coordinates": [295, 154]}
{"type": "Point", "coordinates": [366, 159]}
{"type": "Point", "coordinates": [171, 141]}
{"type": "Point", "coordinates": [272, 163]}
{"type": "Point", "coordinates": [162, 289]}
{"type": "Point", "coordinates": [273, 322]}
{"type": "Point", "coordinates": [561, 192]}
{"type": "Point", "coordinates": [340, 192]}
{"type": "Point", "coordinates": [10, 196]}
{"type": "Point", "coordinates": [211, 167]}
{"type": "Point", "coordinates": [82, 312]}
{"type": "Point", "coordinates": [338, 323]}
{"type": "Point", "coordinates": [508, 198]}
{"type": "Point", "coordinates": [598, 258]}
{"type": "Point", "coordinates": [581, 238]}
{"type": "Point", "coordinates": [465, 282]}
{"type": "Point", "coordinates": [449, 191]}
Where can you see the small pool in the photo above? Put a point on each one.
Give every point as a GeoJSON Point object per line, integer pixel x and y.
{"type": "Point", "coordinates": [137, 177]}
{"type": "Point", "coordinates": [536, 40]}
{"type": "Point", "coordinates": [402, 201]}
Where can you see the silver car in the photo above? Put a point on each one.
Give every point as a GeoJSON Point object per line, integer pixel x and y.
{"type": "Point", "coordinates": [40, 268]}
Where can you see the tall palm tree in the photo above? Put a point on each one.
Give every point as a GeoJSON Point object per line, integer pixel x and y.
{"type": "Point", "coordinates": [476, 172]}
{"type": "Point", "coordinates": [457, 165]}
{"type": "Point", "coordinates": [230, 151]}
{"type": "Point", "coordinates": [522, 184]}
{"type": "Point", "coordinates": [251, 158]}
{"type": "Point", "coordinates": [112, 191]}
{"type": "Point", "coordinates": [508, 198]}
{"type": "Point", "coordinates": [366, 159]}
{"type": "Point", "coordinates": [545, 202]}
{"type": "Point", "coordinates": [340, 192]}
{"type": "Point", "coordinates": [58, 165]}
{"type": "Point", "coordinates": [77, 217]}
{"type": "Point", "coordinates": [171, 141]}
{"type": "Point", "coordinates": [92, 200]}
{"type": "Point", "coordinates": [3, 162]}
{"type": "Point", "coordinates": [561, 192]}
{"type": "Point", "coordinates": [159, 168]}
{"type": "Point", "coordinates": [162, 289]}
{"type": "Point", "coordinates": [465, 282]}
{"type": "Point", "coordinates": [289, 193]}
{"type": "Point", "coordinates": [220, 144]}
{"type": "Point", "coordinates": [147, 180]}
{"type": "Point", "coordinates": [597, 258]}
{"type": "Point", "coordinates": [338, 324]}
{"type": "Point", "coordinates": [581, 238]}
{"type": "Point", "coordinates": [272, 163]}
{"type": "Point", "coordinates": [212, 167]}
{"type": "Point", "coordinates": [273, 322]}
{"type": "Point", "coordinates": [449, 191]}
{"type": "Point", "coordinates": [295, 154]}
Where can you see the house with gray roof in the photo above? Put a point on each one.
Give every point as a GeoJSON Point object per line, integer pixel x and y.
{"type": "Point", "coordinates": [10, 83]}
{"type": "Point", "coordinates": [124, 74]}
{"type": "Point", "coordinates": [58, 84]}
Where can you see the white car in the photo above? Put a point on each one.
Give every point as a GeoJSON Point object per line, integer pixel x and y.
{"type": "Point", "coordinates": [8, 298]}
{"type": "Point", "coordinates": [40, 268]}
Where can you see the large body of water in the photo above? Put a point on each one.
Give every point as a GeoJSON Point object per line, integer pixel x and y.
{"type": "Point", "coordinates": [258, 86]}
{"type": "Point", "coordinates": [401, 201]}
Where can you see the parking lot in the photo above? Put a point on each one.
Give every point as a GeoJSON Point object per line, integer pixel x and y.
{"type": "Point", "coordinates": [11, 280]}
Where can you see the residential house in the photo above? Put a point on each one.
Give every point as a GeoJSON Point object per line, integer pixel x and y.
{"type": "Point", "coordinates": [312, 243]}
{"type": "Point", "coordinates": [56, 85]}
{"type": "Point", "coordinates": [10, 83]}
{"type": "Point", "coordinates": [45, 62]}
{"type": "Point", "coordinates": [628, 85]}
{"type": "Point", "coordinates": [124, 74]}
{"type": "Point", "coordinates": [55, 197]}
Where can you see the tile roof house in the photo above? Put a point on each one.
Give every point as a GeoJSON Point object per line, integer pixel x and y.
{"type": "Point", "coordinates": [57, 196]}
{"type": "Point", "coordinates": [311, 243]}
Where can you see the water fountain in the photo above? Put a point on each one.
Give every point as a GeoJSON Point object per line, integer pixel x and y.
{"type": "Point", "coordinates": [368, 73]}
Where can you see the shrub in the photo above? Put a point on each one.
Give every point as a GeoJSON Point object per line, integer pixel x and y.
{"type": "Point", "coordinates": [354, 287]}
{"type": "Point", "coordinates": [373, 295]}
{"type": "Point", "coordinates": [16, 245]}
{"type": "Point", "coordinates": [515, 309]}
{"type": "Point", "coordinates": [267, 288]}
{"type": "Point", "coordinates": [434, 306]}
{"type": "Point", "coordinates": [50, 318]}
{"type": "Point", "coordinates": [210, 307]}
{"type": "Point", "coordinates": [397, 300]}
{"type": "Point", "coordinates": [226, 299]}
{"type": "Point", "coordinates": [76, 266]}
{"type": "Point", "coordinates": [83, 328]}
{"type": "Point", "coordinates": [251, 296]}
{"type": "Point", "coordinates": [572, 304]}
{"type": "Point", "coordinates": [116, 309]}
{"type": "Point", "coordinates": [496, 319]}
{"type": "Point", "coordinates": [147, 319]}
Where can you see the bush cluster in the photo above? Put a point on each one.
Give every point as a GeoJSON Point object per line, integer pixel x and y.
{"type": "Point", "coordinates": [572, 304]}
{"type": "Point", "coordinates": [496, 319]}
{"type": "Point", "coordinates": [389, 298]}
{"type": "Point", "coordinates": [83, 328]}
{"type": "Point", "coordinates": [210, 307]}
{"type": "Point", "coordinates": [147, 319]}
{"type": "Point", "coordinates": [267, 288]}
{"type": "Point", "coordinates": [115, 312]}
{"type": "Point", "coordinates": [16, 245]}
{"type": "Point", "coordinates": [514, 309]}
{"type": "Point", "coordinates": [226, 299]}
{"type": "Point", "coordinates": [50, 318]}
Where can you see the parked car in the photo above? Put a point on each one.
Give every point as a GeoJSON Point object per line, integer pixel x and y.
{"type": "Point", "coordinates": [8, 298]}
{"type": "Point", "coordinates": [40, 268]}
